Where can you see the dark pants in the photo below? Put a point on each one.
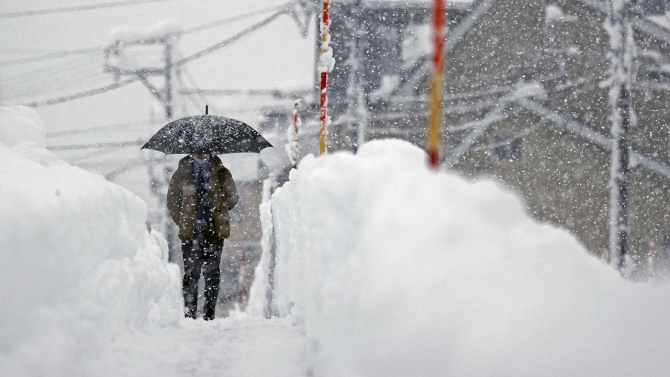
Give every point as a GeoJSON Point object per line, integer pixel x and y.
{"type": "Point", "coordinates": [201, 253]}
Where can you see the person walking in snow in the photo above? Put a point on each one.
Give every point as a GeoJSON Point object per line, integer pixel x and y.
{"type": "Point", "coordinates": [200, 194]}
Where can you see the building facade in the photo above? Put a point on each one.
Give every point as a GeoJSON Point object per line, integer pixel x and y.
{"type": "Point", "coordinates": [525, 103]}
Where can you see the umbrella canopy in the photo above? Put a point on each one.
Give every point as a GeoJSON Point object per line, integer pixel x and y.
{"type": "Point", "coordinates": [206, 134]}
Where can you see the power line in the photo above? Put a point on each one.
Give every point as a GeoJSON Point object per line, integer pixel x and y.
{"type": "Point", "coordinates": [95, 49]}
{"type": "Point", "coordinates": [58, 77]}
{"type": "Point", "coordinates": [509, 138]}
{"type": "Point", "coordinates": [39, 12]}
{"type": "Point", "coordinates": [98, 128]}
{"type": "Point", "coordinates": [181, 62]}
{"type": "Point", "coordinates": [83, 94]}
{"type": "Point", "coordinates": [190, 99]}
{"type": "Point", "coordinates": [71, 147]}
{"type": "Point", "coordinates": [28, 51]}
{"type": "Point", "coordinates": [224, 21]}
{"type": "Point", "coordinates": [52, 69]}
{"type": "Point", "coordinates": [234, 38]}
{"type": "Point", "coordinates": [31, 94]}
{"type": "Point", "coordinates": [194, 83]}
{"type": "Point", "coordinates": [76, 80]}
{"type": "Point", "coordinates": [250, 92]}
{"type": "Point", "coordinates": [51, 56]}
{"type": "Point", "coordinates": [55, 74]}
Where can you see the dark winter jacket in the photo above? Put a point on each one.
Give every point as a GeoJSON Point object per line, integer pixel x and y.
{"type": "Point", "coordinates": [182, 197]}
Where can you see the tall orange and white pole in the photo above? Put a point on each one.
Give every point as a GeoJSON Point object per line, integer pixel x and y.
{"type": "Point", "coordinates": [326, 64]}
{"type": "Point", "coordinates": [435, 94]}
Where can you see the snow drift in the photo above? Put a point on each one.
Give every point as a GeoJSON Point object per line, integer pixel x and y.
{"type": "Point", "coordinates": [400, 271]}
{"type": "Point", "coordinates": [79, 264]}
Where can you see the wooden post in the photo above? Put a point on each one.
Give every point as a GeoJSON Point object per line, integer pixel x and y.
{"type": "Point", "coordinates": [435, 94]}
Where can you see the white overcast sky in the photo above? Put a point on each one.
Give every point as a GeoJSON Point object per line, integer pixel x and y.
{"type": "Point", "coordinates": [275, 57]}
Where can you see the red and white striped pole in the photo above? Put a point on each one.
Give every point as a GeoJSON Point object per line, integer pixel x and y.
{"type": "Point", "coordinates": [326, 63]}
{"type": "Point", "coordinates": [435, 94]}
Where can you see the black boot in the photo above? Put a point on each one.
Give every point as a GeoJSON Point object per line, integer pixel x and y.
{"type": "Point", "coordinates": [189, 310]}
{"type": "Point", "coordinates": [208, 312]}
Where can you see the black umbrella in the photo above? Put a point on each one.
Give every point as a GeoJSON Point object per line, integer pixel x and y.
{"type": "Point", "coordinates": [206, 134]}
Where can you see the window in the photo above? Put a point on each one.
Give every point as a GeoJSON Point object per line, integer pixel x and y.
{"type": "Point", "coordinates": [507, 148]}
{"type": "Point", "coordinates": [559, 46]}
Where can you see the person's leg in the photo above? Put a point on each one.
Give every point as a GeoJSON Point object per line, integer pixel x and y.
{"type": "Point", "coordinates": [192, 265]}
{"type": "Point", "coordinates": [212, 274]}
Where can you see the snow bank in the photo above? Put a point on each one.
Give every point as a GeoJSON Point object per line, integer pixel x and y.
{"type": "Point", "coordinates": [79, 264]}
{"type": "Point", "coordinates": [399, 271]}
{"type": "Point", "coordinates": [20, 124]}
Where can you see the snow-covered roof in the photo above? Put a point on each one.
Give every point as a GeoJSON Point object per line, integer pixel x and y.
{"type": "Point", "coordinates": [661, 19]}
{"type": "Point", "coordinates": [566, 122]}
{"type": "Point", "coordinates": [648, 25]}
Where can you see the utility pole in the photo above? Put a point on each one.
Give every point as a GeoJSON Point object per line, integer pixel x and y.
{"type": "Point", "coordinates": [114, 58]}
{"type": "Point", "coordinates": [357, 104]}
{"type": "Point", "coordinates": [169, 108]}
{"type": "Point", "coordinates": [622, 75]}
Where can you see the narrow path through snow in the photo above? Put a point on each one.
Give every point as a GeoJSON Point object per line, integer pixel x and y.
{"type": "Point", "coordinates": [223, 347]}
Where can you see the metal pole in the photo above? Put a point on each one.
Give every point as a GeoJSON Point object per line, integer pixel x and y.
{"type": "Point", "coordinates": [620, 180]}
{"type": "Point", "coordinates": [620, 97]}
{"type": "Point", "coordinates": [168, 80]}
{"type": "Point", "coordinates": [357, 108]}
{"type": "Point", "coordinates": [294, 139]}
{"type": "Point", "coordinates": [169, 226]}
{"type": "Point", "coordinates": [170, 233]}
{"type": "Point", "coordinates": [435, 94]}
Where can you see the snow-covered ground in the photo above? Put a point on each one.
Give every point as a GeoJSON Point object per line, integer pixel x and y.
{"type": "Point", "coordinates": [86, 289]}
{"type": "Point", "coordinates": [384, 268]}
{"type": "Point", "coordinates": [79, 263]}
{"type": "Point", "coordinates": [223, 347]}
{"type": "Point", "coordinates": [400, 271]}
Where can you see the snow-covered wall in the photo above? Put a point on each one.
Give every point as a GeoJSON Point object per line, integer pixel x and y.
{"type": "Point", "coordinates": [400, 271]}
{"type": "Point", "coordinates": [78, 263]}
